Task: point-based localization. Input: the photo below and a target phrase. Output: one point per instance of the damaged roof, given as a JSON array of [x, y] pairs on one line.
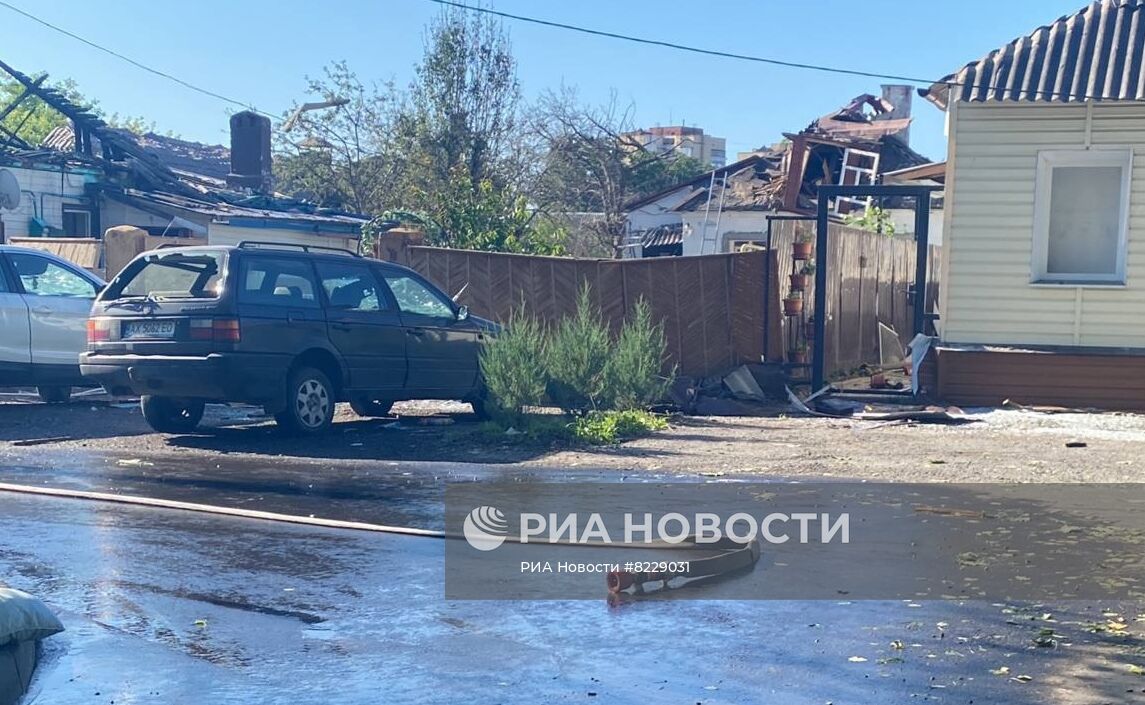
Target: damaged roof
[[159, 174], [212, 161], [1096, 53], [250, 208], [756, 185], [760, 182]]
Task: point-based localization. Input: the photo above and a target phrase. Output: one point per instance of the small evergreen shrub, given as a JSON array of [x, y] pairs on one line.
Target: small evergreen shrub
[[632, 378], [513, 366], [577, 355]]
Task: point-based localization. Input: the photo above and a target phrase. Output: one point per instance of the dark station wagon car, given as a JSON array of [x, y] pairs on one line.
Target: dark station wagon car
[[292, 328]]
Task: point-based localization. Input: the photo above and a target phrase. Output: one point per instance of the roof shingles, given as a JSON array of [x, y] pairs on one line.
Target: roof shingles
[[1096, 53]]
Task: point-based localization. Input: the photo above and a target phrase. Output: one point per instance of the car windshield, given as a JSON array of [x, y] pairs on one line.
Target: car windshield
[[174, 275]]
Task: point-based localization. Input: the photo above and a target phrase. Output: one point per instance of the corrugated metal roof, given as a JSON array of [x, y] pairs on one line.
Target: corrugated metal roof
[[1096, 53], [663, 235]]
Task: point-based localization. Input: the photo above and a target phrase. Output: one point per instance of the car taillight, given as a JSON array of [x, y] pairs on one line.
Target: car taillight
[[98, 330], [227, 329], [223, 330]]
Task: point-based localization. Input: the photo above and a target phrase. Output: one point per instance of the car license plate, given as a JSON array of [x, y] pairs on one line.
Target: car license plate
[[149, 329]]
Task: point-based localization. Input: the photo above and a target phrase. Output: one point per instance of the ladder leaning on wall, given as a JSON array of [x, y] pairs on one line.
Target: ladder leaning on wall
[[709, 243]]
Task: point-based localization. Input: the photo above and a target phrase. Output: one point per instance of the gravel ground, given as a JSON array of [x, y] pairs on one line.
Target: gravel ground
[[1001, 445]]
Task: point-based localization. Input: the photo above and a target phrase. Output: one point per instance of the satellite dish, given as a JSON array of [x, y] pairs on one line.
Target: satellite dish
[[9, 191]]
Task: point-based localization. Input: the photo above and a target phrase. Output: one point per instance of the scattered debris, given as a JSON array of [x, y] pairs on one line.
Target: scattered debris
[[1076, 444], [1046, 409], [919, 346], [133, 462], [948, 512], [743, 385], [42, 441]]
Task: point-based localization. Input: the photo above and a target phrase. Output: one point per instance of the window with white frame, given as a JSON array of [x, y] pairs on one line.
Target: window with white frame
[[1081, 216]]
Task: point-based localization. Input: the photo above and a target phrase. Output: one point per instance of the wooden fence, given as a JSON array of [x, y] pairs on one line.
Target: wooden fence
[[711, 306], [869, 280]]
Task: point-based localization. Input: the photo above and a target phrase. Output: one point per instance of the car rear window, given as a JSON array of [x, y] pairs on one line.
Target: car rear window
[[182, 275]]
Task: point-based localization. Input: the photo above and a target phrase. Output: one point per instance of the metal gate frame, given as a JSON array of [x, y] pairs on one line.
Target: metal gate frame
[[827, 192]]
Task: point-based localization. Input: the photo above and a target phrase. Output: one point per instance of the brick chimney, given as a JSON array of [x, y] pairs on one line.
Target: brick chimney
[[250, 153], [900, 97]]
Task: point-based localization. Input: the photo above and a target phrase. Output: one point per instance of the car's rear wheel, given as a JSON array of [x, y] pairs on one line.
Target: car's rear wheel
[[54, 395], [171, 415], [309, 403], [370, 408]]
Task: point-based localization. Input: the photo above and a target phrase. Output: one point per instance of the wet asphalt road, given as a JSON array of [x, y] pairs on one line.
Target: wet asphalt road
[[172, 607]]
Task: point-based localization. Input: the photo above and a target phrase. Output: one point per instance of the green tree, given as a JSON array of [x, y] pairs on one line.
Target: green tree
[[591, 165], [33, 119], [463, 103], [480, 217], [349, 157]]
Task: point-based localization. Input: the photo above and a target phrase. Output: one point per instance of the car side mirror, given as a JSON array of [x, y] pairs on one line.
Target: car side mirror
[[462, 313]]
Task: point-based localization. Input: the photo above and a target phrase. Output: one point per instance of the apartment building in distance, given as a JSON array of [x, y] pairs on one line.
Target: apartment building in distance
[[688, 141]]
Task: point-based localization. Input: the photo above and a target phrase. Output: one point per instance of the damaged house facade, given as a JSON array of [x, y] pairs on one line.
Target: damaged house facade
[[86, 177], [723, 209], [1043, 293]]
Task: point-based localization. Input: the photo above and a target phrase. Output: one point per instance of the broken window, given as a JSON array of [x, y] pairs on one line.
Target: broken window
[[859, 168]]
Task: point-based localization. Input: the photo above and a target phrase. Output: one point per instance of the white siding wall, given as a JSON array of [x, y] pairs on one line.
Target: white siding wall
[[987, 294], [733, 225], [43, 194], [113, 213], [222, 234]]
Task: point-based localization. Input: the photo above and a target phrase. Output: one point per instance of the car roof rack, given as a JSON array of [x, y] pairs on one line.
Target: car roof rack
[[257, 244]]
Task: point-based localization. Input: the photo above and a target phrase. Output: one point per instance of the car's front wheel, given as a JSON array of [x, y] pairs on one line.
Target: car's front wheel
[[54, 395], [309, 403], [371, 408], [482, 406], [171, 415]]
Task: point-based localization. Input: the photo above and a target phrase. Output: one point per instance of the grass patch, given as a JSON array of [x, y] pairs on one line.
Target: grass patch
[[596, 428], [609, 427]]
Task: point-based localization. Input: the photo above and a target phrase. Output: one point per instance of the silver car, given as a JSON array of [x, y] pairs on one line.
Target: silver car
[[44, 306]]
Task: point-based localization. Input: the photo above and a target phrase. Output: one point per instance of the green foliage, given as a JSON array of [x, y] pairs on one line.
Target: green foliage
[[874, 219], [632, 378], [352, 157], [513, 366], [578, 365], [609, 427], [481, 217], [577, 357], [33, 119], [651, 173]]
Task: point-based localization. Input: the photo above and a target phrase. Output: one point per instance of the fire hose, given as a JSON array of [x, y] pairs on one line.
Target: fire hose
[[730, 556]]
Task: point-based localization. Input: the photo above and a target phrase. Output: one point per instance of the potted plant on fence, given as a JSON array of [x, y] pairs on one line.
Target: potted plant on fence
[[793, 304], [802, 278], [798, 354], [801, 248]]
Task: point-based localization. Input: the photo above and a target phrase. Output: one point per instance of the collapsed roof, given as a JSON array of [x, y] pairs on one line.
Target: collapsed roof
[[856, 142], [155, 173]]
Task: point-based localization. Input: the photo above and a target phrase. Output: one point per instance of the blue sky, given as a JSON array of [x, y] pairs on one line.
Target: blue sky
[[259, 51]]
